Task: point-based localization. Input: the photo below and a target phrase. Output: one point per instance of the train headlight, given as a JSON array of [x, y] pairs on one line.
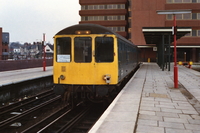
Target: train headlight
[[62, 77], [79, 32], [107, 78]]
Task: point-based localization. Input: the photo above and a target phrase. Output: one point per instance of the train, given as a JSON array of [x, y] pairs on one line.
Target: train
[[91, 62]]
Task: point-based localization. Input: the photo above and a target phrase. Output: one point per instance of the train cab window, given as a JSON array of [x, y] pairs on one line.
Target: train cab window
[[104, 49], [63, 49], [83, 49]]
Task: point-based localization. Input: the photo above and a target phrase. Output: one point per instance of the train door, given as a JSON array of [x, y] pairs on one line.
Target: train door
[[104, 57], [120, 70]]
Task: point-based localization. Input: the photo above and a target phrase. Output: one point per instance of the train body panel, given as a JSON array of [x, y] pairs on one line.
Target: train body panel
[[77, 70], [86, 74]]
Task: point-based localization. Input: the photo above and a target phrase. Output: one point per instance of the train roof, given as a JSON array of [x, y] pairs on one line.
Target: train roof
[[93, 28]]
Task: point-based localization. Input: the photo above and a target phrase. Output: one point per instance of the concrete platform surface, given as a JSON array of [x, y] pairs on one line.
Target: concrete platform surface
[[16, 76], [150, 104]]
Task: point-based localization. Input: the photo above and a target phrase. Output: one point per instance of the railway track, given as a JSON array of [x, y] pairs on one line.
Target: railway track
[[25, 113], [62, 118], [68, 120], [87, 121], [45, 113], [24, 102]]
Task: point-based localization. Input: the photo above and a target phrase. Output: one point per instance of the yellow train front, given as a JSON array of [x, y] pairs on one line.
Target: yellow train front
[[90, 61]]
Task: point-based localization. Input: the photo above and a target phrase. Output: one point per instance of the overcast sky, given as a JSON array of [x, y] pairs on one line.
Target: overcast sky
[[27, 20]]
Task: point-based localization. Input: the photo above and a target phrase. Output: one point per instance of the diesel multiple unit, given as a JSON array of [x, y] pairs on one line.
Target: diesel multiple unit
[[90, 61]]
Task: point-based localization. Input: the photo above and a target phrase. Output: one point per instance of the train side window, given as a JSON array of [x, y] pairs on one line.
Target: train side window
[[63, 49], [104, 49], [83, 49]]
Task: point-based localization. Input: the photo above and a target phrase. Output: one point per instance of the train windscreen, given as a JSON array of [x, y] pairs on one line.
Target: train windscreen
[[104, 49], [83, 49], [63, 49]]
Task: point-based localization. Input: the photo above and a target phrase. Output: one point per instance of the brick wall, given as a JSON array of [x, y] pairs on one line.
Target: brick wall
[[23, 64]]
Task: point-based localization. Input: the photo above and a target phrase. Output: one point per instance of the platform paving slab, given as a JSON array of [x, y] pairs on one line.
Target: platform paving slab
[[123, 111], [174, 113], [160, 108], [17, 76]]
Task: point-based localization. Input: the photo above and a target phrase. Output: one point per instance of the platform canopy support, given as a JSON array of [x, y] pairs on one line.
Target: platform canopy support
[[162, 38]]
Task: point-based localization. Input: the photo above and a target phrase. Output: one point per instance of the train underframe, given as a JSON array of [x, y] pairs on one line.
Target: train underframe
[[94, 93]]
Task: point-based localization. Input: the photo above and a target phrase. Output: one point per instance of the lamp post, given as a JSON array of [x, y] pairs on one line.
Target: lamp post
[[174, 12], [44, 53]]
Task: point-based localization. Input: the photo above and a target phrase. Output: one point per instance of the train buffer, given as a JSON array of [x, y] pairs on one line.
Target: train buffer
[[149, 103]]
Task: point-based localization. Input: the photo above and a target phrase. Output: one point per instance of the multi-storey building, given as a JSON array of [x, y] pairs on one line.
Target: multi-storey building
[[110, 13], [128, 17], [4, 42]]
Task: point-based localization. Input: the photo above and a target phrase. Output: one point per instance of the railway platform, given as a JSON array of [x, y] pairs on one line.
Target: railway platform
[[21, 75], [149, 103]]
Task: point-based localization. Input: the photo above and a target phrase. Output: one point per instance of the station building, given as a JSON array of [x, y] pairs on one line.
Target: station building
[[4, 42], [129, 17]]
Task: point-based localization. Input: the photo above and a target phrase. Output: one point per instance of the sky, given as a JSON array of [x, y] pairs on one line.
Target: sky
[[28, 20]]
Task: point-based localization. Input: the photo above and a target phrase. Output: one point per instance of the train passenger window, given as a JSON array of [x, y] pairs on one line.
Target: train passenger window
[[83, 49], [63, 49], [104, 49]]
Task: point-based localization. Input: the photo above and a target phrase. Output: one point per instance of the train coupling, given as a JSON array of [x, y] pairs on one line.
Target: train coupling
[[107, 78]]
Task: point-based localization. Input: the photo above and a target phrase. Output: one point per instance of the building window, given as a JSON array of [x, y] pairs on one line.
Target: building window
[[129, 22], [194, 16], [114, 17], [117, 29], [90, 18], [198, 32], [169, 1], [179, 16], [101, 7], [97, 7], [109, 17], [198, 16], [101, 18], [122, 28], [183, 1], [82, 18], [83, 7], [193, 33], [115, 7], [186, 16], [186, 1], [191, 16], [177, 1], [122, 17], [96, 18], [169, 16], [90, 7]]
